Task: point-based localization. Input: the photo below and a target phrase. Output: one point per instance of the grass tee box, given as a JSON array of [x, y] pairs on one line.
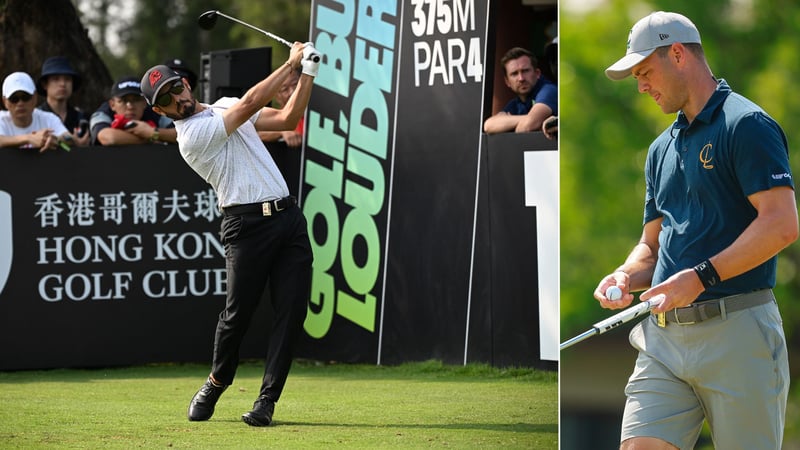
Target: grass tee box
[[355, 406]]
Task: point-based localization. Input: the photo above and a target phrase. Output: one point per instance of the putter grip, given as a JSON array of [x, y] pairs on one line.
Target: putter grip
[[624, 316]]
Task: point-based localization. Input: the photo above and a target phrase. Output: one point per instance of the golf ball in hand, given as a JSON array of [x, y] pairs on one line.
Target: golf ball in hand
[[613, 293]]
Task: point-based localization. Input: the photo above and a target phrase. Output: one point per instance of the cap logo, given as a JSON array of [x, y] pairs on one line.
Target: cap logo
[[663, 36], [128, 84], [154, 77]]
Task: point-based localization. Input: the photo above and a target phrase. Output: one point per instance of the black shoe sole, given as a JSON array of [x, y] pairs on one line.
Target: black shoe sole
[[198, 419], [253, 422]]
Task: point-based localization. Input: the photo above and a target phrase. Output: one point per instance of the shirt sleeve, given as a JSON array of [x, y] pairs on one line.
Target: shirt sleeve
[[510, 108], [100, 120], [52, 121], [760, 154], [650, 211], [548, 95], [165, 122], [200, 139]]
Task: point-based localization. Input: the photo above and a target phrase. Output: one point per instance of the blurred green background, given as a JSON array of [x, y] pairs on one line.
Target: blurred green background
[[606, 128], [133, 35]]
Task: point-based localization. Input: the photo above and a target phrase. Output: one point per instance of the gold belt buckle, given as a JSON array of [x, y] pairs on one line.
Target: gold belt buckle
[[266, 209], [661, 319]]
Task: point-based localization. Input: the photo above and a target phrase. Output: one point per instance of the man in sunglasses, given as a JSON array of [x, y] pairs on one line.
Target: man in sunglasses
[[263, 231], [22, 124], [126, 119]]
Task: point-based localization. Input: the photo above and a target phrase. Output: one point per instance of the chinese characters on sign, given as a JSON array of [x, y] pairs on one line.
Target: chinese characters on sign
[[81, 207], [111, 255]]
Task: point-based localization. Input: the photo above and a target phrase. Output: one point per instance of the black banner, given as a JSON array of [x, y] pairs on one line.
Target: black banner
[[390, 178], [110, 256], [439, 122]]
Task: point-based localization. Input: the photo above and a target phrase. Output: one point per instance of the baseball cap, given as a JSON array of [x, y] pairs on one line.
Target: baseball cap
[[154, 79], [125, 86], [58, 65], [659, 29], [18, 81]]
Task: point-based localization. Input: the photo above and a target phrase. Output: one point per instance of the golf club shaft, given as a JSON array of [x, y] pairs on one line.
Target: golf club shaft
[[612, 322], [581, 337], [273, 36]]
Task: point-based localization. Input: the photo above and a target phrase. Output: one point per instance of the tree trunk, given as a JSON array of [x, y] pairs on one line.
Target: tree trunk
[[33, 30]]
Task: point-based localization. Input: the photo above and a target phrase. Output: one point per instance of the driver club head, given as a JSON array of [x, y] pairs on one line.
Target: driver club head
[[207, 20]]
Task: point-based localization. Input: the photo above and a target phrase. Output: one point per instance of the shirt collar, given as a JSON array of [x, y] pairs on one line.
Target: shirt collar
[[712, 105]]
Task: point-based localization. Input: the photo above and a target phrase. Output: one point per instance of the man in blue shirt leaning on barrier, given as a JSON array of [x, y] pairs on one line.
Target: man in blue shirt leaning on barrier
[[536, 96]]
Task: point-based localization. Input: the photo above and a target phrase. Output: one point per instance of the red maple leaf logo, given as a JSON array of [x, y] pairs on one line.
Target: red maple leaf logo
[[154, 77]]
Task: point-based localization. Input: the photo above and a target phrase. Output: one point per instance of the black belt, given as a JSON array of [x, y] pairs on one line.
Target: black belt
[[267, 208], [699, 312]]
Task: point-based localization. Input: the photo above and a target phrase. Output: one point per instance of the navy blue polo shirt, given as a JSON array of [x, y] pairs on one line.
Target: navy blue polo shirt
[[544, 91], [698, 178]]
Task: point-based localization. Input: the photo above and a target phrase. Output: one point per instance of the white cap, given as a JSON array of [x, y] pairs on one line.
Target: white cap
[[18, 81], [659, 29]]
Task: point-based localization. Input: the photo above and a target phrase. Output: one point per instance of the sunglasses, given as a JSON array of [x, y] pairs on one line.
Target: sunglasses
[[165, 99], [14, 99]]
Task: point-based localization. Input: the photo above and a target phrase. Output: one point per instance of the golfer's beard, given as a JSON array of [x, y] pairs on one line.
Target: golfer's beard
[[187, 110]]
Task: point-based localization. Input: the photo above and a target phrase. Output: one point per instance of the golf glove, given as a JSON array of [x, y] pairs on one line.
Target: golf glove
[[311, 59]]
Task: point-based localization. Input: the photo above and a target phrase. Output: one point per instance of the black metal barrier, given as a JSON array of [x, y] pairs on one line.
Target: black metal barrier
[[110, 256]]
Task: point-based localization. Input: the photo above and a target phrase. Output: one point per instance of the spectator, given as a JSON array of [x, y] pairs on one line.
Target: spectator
[[127, 119], [537, 97], [183, 70], [292, 138], [57, 84], [25, 126]]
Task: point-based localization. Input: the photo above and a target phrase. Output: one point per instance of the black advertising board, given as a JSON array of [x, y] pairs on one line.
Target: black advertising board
[[391, 175], [111, 257]]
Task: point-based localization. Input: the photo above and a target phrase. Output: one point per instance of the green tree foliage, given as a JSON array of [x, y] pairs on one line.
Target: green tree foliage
[[154, 30], [288, 19], [606, 128], [33, 30]]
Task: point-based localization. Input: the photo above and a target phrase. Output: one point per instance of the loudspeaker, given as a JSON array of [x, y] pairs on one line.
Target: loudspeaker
[[230, 73]]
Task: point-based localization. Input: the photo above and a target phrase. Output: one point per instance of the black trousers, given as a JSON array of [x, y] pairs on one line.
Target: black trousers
[[261, 251]]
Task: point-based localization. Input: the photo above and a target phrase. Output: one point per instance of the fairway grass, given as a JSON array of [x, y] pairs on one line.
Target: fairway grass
[[414, 405]]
